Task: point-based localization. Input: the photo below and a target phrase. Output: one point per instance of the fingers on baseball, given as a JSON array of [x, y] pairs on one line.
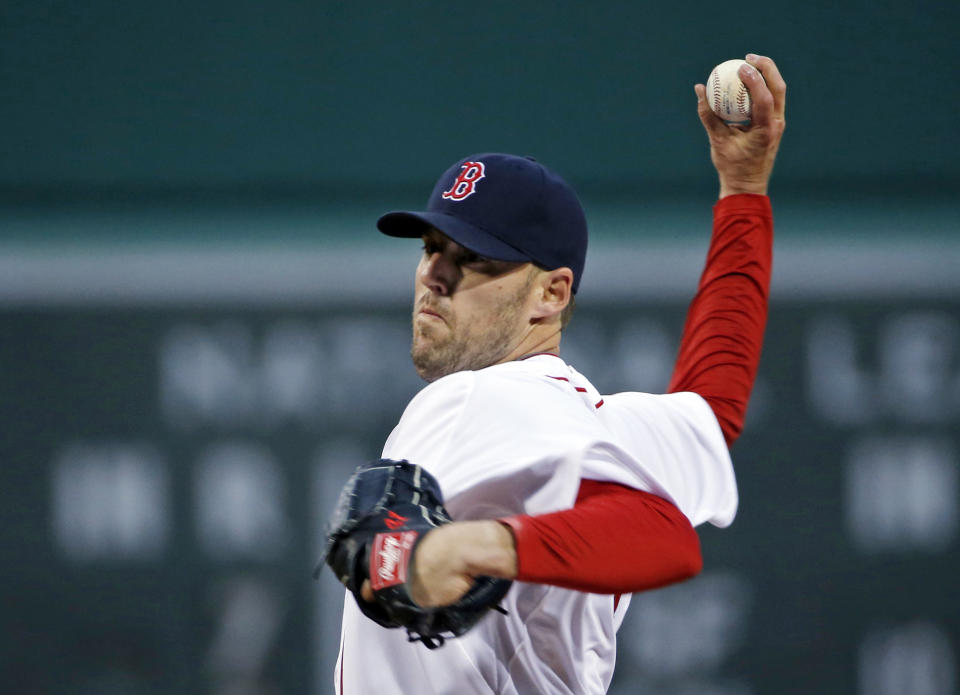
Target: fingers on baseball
[[774, 81], [760, 97]]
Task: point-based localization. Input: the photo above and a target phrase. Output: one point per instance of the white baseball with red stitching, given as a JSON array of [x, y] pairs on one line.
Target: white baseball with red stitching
[[729, 98]]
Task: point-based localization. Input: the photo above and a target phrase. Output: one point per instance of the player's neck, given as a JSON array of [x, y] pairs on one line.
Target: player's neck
[[538, 342]]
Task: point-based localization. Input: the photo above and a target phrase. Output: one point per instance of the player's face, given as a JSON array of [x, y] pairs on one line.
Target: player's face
[[469, 312]]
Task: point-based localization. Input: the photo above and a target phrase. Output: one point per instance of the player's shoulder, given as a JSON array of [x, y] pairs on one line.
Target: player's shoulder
[[655, 406], [544, 381]]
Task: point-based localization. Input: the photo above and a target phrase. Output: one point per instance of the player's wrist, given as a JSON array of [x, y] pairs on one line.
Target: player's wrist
[[727, 192], [730, 187], [492, 550]]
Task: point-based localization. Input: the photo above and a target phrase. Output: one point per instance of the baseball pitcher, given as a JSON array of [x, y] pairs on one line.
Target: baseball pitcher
[[494, 546]]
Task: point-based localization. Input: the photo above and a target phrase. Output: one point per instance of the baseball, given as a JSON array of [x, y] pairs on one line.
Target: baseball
[[729, 98]]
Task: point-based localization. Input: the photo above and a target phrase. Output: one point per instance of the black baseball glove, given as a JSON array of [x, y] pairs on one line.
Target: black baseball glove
[[384, 511]]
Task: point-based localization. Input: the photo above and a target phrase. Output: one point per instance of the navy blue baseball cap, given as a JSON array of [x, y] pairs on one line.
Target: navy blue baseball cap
[[503, 207]]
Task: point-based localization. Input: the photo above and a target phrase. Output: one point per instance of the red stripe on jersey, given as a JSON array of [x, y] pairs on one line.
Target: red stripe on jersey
[[579, 389]]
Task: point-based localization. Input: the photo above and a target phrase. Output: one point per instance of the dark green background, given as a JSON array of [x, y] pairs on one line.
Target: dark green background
[[326, 95]]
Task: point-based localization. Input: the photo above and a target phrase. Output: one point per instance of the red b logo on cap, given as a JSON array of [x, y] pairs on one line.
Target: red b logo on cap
[[466, 183]]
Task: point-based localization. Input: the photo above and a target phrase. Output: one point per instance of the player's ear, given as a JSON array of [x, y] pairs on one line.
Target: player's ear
[[555, 290]]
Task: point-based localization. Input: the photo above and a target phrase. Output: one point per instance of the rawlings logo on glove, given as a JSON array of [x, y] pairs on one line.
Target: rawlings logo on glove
[[390, 558], [404, 498]]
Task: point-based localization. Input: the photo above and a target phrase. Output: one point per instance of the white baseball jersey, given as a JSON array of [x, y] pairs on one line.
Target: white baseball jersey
[[517, 438]]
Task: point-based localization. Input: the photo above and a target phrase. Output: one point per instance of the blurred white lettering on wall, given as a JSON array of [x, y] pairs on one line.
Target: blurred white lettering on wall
[[906, 368], [250, 614], [240, 503], [689, 628], [920, 361], [915, 659], [902, 493], [110, 501], [227, 375], [206, 374]]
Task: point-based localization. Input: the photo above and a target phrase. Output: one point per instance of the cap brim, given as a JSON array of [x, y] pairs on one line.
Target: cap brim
[[414, 224]]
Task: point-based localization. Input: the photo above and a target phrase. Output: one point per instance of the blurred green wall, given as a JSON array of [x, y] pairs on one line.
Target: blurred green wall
[[316, 95]]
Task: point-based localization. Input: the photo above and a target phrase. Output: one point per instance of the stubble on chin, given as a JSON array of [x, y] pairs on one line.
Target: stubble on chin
[[441, 350], [467, 343], [430, 352], [438, 351]]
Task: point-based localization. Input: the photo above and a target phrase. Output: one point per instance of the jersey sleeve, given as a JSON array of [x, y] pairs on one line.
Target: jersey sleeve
[[669, 445], [723, 335]]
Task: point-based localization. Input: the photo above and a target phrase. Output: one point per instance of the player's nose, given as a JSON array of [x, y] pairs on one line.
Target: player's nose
[[436, 274]]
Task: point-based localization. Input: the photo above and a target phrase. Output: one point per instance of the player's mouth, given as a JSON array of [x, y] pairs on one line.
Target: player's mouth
[[430, 314]]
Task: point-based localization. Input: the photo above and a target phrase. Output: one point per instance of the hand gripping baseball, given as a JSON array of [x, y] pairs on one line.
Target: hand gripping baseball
[[384, 512], [744, 157]]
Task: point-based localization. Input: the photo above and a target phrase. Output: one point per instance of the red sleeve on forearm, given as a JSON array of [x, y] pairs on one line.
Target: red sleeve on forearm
[[615, 540], [723, 334]]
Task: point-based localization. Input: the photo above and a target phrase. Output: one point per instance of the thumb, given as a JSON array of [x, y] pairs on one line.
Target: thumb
[[366, 591], [713, 124]]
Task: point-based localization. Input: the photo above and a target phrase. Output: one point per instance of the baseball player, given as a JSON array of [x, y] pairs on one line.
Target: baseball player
[[580, 498]]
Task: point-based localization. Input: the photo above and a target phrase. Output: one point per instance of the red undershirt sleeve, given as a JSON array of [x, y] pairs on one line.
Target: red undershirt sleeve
[[617, 539], [720, 348]]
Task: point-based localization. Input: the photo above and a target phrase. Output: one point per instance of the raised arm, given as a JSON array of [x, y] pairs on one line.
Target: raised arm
[[723, 335], [721, 342]]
